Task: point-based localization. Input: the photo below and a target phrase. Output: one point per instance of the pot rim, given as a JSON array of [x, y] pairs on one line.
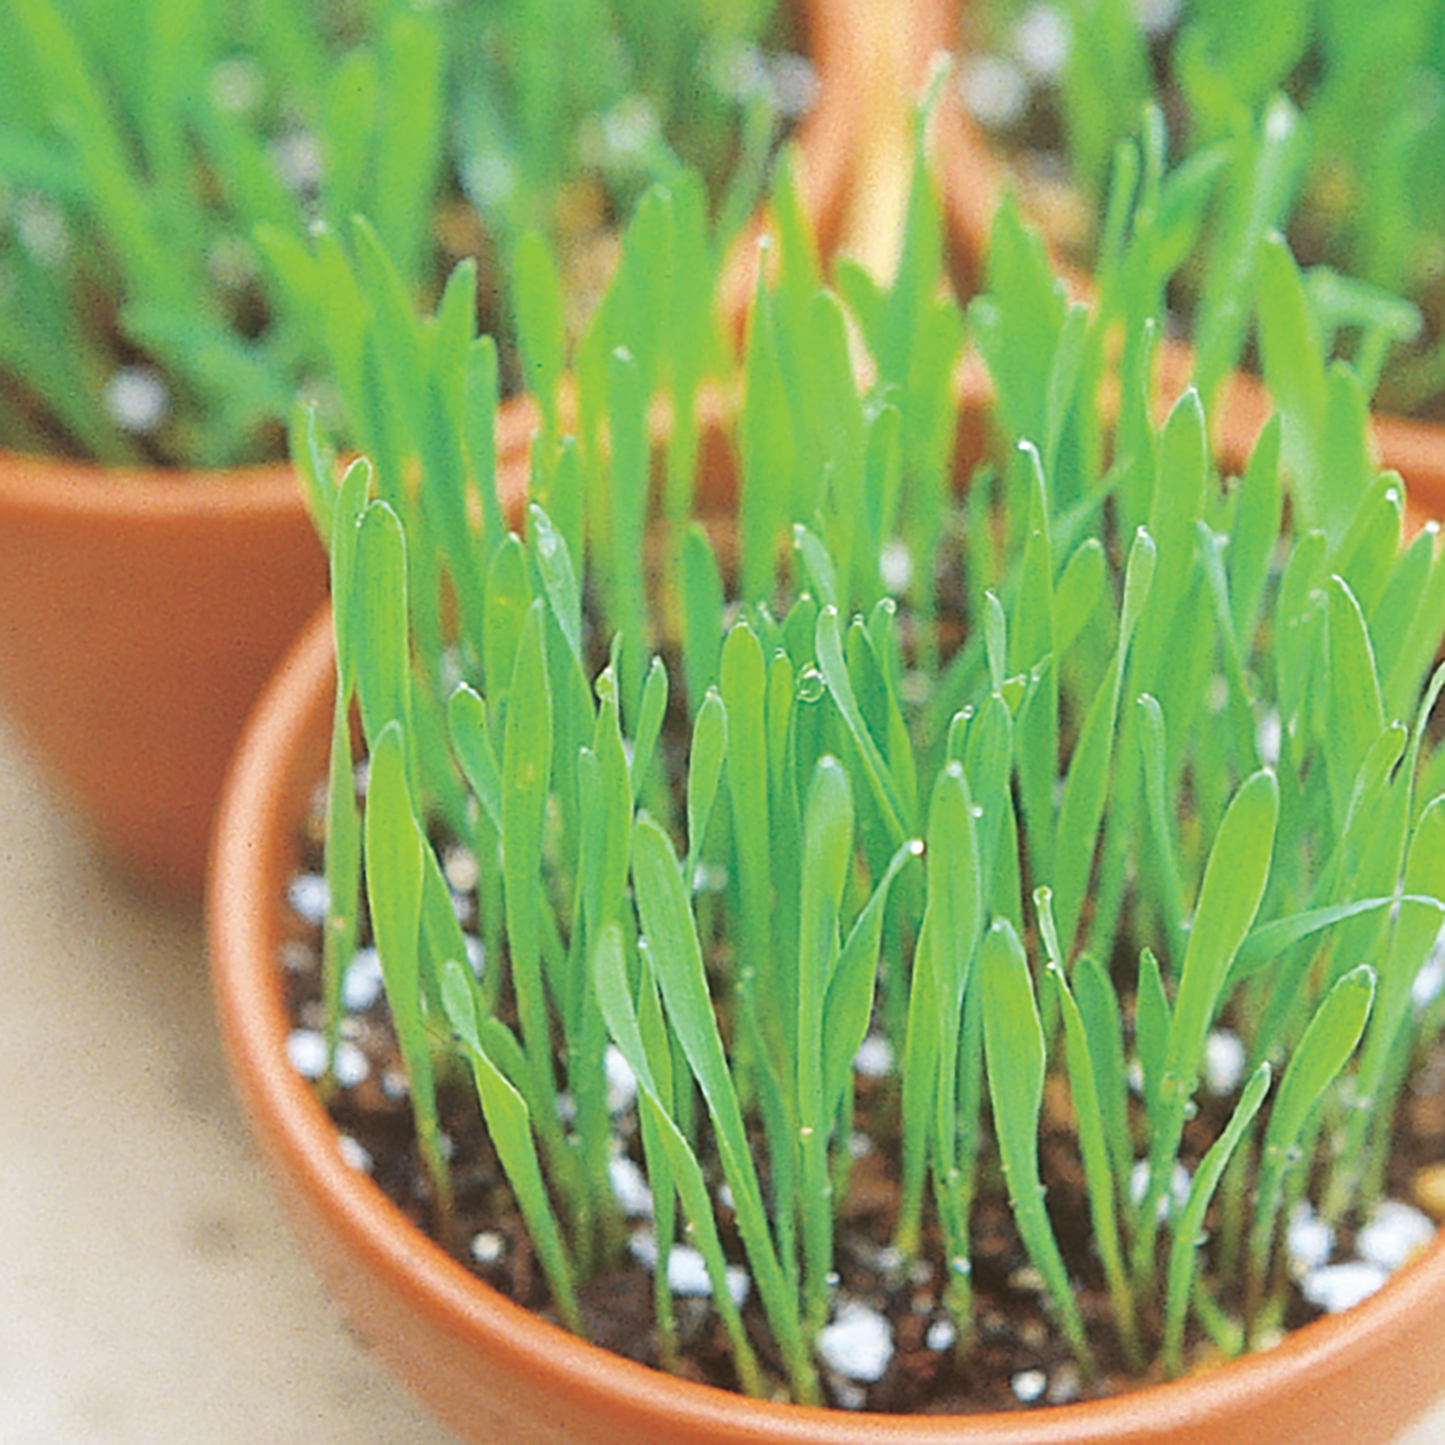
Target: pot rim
[[251, 857], [60, 484]]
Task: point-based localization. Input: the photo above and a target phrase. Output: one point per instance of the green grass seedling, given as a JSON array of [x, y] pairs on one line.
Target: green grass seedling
[[1094, 1147], [508, 1121], [827, 849], [1014, 1053], [1229, 898], [1327, 1044], [667, 923], [395, 870], [1187, 1228], [681, 1167]]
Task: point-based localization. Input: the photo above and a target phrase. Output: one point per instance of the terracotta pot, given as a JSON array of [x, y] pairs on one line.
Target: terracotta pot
[[142, 614], [849, 178], [493, 1372], [971, 178], [144, 610]]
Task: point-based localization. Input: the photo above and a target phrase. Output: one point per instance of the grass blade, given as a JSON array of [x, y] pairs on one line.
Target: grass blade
[[508, 1122], [1014, 1055], [668, 925], [609, 971], [1188, 1228], [1229, 898], [1099, 1176], [826, 854], [1319, 1056], [394, 870], [835, 674]]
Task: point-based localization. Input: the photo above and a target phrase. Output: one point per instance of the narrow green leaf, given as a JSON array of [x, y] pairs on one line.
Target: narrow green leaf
[[1419, 642], [1366, 556], [827, 853], [526, 774], [818, 567], [1401, 600], [700, 592], [1099, 1177], [835, 674], [508, 1123], [1104, 1025], [541, 324], [1079, 590], [668, 925], [347, 128], [1298, 618], [1260, 199], [346, 510], [609, 972], [509, 598], [480, 390], [1417, 928], [1031, 643], [1317, 1059], [744, 690], [1017, 326], [1256, 529], [379, 623], [1152, 1020], [1275, 937], [705, 761], [1354, 709], [608, 814], [1161, 820], [649, 724], [627, 403], [471, 739], [1081, 810], [849, 1004], [766, 440], [1190, 1223], [1014, 1055], [1233, 887], [394, 872], [559, 579], [409, 154], [1229, 898]]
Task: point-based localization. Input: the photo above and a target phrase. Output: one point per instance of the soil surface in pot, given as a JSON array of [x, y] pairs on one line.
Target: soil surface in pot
[[1015, 1358]]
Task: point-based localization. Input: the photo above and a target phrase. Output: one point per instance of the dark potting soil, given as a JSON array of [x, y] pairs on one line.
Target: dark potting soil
[[1013, 1357]]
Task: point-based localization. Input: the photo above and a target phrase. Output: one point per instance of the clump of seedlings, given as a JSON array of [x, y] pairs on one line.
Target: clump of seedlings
[[937, 894], [564, 116], [163, 167], [143, 146], [1285, 118]]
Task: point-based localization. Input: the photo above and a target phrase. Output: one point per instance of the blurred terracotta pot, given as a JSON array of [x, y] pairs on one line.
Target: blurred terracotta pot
[[140, 614], [851, 185], [143, 611], [493, 1372], [971, 178]]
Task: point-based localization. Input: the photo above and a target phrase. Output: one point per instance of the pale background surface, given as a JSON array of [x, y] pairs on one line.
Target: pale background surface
[[149, 1291]]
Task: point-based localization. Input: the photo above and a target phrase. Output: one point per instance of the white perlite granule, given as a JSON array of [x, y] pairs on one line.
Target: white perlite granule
[[858, 1344]]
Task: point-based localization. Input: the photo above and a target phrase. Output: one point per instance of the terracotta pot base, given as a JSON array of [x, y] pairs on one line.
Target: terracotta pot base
[[142, 613]]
